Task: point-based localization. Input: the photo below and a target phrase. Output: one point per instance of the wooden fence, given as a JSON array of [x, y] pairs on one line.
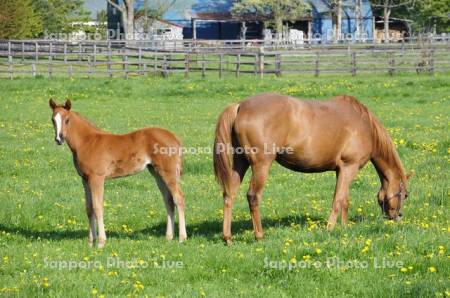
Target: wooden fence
[[53, 58]]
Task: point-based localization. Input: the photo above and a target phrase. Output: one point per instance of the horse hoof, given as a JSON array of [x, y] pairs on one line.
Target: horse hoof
[[330, 227], [228, 242], [169, 237], [182, 238], [101, 244], [91, 244]]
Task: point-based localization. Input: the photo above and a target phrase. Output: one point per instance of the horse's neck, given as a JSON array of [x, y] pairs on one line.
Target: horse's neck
[[387, 171], [80, 131]]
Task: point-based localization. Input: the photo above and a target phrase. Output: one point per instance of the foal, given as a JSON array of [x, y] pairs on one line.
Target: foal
[[99, 155]]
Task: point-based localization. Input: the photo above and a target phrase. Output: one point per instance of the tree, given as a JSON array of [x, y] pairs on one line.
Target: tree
[[19, 19], [275, 10], [388, 6], [60, 15], [432, 15], [126, 9]]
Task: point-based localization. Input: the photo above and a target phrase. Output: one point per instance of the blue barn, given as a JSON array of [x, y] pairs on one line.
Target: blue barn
[[212, 20]]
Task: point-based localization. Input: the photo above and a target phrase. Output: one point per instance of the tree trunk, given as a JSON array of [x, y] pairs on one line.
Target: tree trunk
[[358, 19], [387, 14], [339, 20], [279, 27]]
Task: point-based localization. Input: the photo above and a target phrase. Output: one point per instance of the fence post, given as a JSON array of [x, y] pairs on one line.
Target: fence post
[[10, 66], [140, 58], [125, 65], [203, 66], [278, 65], [50, 59], [65, 52], [261, 62], [109, 59], [89, 67], [221, 66], [80, 49], [238, 65], [391, 63], [186, 65], [164, 66], [353, 63], [36, 51], [431, 62], [95, 53], [23, 51], [33, 70], [317, 70]]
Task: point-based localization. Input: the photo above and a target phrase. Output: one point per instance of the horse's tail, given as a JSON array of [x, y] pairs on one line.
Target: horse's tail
[[222, 155]]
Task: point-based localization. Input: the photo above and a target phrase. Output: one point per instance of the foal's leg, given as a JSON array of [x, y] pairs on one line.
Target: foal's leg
[[96, 184], [171, 176], [260, 172], [240, 166], [90, 213], [168, 202], [345, 175]]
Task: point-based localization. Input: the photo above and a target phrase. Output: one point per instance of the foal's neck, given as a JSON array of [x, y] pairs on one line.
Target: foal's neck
[[79, 131]]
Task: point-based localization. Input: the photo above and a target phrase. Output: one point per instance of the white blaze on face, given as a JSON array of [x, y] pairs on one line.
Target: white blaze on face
[[58, 126]]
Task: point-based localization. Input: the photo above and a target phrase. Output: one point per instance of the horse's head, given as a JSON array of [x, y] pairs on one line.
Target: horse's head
[[60, 119], [391, 198]]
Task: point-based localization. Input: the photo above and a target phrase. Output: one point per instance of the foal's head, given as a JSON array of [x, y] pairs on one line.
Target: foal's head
[[391, 199], [60, 119]]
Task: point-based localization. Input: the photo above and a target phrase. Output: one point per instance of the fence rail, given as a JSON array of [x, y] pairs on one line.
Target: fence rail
[[22, 58]]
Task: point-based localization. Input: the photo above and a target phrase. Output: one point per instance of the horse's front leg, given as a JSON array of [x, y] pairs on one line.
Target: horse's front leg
[[96, 185], [345, 175], [90, 213]]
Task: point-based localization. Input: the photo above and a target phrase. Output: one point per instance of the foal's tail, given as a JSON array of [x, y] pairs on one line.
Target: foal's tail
[[222, 155]]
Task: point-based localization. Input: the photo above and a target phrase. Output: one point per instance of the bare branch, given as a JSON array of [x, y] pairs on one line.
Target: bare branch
[[121, 9]]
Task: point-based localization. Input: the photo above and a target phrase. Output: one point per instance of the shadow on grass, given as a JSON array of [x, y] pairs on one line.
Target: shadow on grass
[[206, 229]]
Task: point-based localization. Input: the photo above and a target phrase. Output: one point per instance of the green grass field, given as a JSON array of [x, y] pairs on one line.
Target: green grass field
[[43, 226]]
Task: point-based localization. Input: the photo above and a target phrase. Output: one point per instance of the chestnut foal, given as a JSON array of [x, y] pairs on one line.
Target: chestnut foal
[[99, 155], [339, 135]]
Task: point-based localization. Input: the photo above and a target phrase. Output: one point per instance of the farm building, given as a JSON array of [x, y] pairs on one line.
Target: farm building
[[211, 19]]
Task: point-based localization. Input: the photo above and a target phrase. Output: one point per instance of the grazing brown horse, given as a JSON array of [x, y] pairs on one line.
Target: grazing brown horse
[[339, 135], [99, 155]]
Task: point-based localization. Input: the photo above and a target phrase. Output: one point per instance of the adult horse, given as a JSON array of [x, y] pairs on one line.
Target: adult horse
[[339, 135], [99, 155]]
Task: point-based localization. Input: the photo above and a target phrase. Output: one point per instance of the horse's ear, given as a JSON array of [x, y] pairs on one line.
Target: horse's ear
[[68, 104], [52, 103], [410, 174]]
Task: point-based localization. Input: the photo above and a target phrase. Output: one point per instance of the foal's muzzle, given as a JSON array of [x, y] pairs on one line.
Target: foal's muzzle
[[59, 140]]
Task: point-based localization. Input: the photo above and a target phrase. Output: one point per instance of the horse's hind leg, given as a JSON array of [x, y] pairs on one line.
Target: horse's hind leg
[[171, 178], [240, 167], [168, 202], [96, 186], [345, 175], [260, 172]]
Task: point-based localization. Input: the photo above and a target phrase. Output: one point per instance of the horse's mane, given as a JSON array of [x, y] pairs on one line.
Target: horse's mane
[[383, 146]]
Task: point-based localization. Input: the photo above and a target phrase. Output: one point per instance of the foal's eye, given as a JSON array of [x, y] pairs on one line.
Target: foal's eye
[[67, 121]]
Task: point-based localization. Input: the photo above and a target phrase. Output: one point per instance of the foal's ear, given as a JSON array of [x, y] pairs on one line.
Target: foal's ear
[[52, 103], [68, 104]]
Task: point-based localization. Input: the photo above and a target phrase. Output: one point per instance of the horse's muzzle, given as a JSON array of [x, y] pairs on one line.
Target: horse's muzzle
[[59, 141]]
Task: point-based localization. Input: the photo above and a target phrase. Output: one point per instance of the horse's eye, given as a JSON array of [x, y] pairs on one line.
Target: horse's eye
[[67, 121]]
